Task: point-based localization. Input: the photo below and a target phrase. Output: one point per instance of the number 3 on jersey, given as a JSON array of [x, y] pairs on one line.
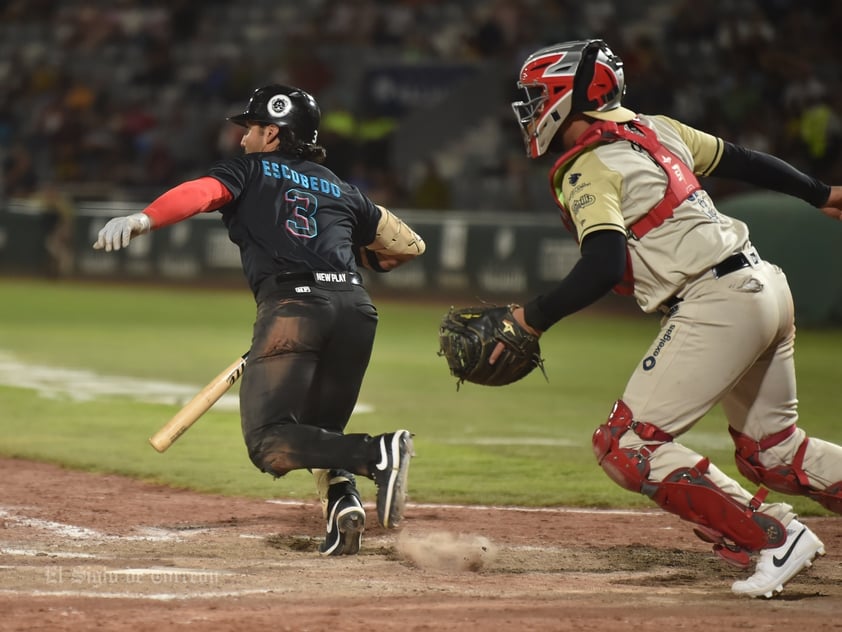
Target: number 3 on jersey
[[301, 209]]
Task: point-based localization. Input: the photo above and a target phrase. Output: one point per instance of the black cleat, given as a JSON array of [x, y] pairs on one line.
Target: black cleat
[[390, 475], [345, 526]]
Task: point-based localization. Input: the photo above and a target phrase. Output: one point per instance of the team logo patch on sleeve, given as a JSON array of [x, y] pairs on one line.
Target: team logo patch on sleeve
[[581, 202]]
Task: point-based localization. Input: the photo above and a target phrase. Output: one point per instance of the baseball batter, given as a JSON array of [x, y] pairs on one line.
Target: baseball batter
[[627, 187], [302, 232]]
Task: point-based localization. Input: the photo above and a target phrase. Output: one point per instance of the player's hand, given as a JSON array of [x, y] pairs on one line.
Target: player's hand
[[833, 207], [389, 262], [118, 232], [517, 313]]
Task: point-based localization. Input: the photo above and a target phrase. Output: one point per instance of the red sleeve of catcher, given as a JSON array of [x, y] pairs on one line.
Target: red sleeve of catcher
[[188, 199]]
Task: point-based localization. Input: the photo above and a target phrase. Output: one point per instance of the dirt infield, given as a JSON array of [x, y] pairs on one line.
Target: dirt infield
[[84, 552]]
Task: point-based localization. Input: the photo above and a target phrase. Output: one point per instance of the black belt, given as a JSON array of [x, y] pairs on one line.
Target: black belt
[[320, 277], [667, 305], [729, 265]]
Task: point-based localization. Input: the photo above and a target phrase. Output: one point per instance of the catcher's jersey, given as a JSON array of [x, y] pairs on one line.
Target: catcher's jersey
[[611, 186], [293, 215]]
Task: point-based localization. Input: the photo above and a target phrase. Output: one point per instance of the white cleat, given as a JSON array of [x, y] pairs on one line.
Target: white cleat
[[775, 567]]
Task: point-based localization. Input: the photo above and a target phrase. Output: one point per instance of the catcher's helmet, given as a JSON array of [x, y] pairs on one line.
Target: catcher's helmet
[[283, 106], [580, 76]]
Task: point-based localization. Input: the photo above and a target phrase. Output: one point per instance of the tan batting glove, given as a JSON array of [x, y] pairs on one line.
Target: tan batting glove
[[118, 232]]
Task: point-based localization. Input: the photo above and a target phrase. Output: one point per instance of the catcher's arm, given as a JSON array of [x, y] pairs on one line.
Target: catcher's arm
[[517, 313], [833, 206]]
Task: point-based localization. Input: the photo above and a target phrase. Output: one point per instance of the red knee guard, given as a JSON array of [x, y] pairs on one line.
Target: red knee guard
[[787, 479], [628, 468], [830, 498]]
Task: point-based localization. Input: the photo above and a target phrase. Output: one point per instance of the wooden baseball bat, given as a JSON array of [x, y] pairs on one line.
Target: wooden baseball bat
[[198, 406]]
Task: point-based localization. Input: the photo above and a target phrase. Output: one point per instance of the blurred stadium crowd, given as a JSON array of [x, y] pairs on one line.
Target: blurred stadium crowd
[[120, 99]]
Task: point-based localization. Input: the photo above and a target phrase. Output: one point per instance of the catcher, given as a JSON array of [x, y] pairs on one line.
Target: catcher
[[627, 187]]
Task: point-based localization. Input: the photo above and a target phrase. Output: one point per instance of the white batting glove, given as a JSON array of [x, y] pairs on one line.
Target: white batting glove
[[118, 232]]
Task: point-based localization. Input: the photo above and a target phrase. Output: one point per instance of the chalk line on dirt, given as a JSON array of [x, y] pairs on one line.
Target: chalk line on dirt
[[74, 532], [550, 510], [26, 552], [135, 595]]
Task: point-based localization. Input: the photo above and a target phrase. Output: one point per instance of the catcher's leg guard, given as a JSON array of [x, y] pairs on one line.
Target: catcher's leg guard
[[628, 468], [787, 479], [686, 492], [692, 496]]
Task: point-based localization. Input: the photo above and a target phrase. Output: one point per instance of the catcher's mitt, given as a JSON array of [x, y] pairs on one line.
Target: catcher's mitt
[[467, 336]]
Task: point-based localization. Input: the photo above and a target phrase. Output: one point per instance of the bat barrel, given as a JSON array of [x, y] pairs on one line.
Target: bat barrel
[[198, 406]]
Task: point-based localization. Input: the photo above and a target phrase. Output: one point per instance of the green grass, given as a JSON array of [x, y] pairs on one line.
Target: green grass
[[524, 444]]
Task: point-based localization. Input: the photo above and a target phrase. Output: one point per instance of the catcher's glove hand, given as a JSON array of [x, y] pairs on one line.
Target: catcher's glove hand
[[468, 336]]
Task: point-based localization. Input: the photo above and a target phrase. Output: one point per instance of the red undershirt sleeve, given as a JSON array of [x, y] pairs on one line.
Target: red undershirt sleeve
[[188, 199]]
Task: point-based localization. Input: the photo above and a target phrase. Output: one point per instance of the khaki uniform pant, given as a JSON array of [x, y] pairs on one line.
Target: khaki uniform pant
[[730, 341]]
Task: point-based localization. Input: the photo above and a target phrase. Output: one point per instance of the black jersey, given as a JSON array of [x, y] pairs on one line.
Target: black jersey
[[292, 215]]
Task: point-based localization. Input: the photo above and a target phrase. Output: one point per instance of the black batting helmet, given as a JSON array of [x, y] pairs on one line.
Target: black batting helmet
[[283, 106]]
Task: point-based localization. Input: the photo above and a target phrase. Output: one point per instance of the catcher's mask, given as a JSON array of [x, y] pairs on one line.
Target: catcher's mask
[[283, 106], [580, 76]]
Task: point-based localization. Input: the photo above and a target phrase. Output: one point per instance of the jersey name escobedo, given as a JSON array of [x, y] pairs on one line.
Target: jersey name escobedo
[[281, 171]]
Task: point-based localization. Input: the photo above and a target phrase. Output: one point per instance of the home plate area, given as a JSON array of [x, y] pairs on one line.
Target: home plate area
[[80, 551]]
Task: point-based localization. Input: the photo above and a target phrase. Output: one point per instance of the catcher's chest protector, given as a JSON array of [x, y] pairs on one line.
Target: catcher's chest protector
[[681, 181]]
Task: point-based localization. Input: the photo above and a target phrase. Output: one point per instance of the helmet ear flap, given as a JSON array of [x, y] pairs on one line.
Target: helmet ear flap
[[599, 84], [584, 76]]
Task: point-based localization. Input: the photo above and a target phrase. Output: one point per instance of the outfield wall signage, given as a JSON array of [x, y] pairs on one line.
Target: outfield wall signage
[[477, 256]]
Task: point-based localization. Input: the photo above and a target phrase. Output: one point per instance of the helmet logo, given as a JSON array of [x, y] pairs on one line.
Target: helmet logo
[[279, 106]]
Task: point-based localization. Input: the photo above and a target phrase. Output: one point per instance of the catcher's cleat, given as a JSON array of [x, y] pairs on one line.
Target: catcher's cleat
[[775, 567], [390, 475], [345, 526]]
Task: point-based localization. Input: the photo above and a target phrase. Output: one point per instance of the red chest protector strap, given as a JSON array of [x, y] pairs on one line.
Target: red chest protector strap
[[681, 180]]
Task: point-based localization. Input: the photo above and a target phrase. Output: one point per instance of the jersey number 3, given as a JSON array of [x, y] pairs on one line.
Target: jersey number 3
[[301, 209]]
